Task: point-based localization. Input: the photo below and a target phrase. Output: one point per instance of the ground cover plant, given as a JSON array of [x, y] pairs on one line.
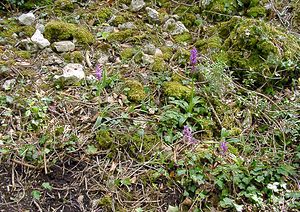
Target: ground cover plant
[[154, 105]]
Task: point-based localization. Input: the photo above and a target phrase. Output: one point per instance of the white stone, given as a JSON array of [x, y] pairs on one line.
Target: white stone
[[149, 49], [8, 84], [152, 13], [64, 46], [175, 27], [137, 5], [39, 39], [27, 19], [40, 27], [73, 71], [147, 59], [127, 25], [158, 53]]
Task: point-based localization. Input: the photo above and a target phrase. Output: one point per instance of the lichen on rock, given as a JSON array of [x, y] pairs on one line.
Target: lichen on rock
[[59, 30]]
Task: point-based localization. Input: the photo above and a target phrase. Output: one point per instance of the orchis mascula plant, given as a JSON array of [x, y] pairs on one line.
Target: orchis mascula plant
[[187, 135], [223, 147], [193, 59]]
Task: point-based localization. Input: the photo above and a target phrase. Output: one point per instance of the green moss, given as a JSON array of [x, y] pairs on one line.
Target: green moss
[[188, 19], [219, 7], [66, 5], [258, 53], [127, 53], [120, 36], [105, 202], [137, 146], [120, 19], [103, 14], [211, 43], [104, 139], [159, 65], [9, 27], [74, 57], [176, 89], [185, 37], [58, 30], [255, 12], [135, 90], [167, 52], [23, 54]]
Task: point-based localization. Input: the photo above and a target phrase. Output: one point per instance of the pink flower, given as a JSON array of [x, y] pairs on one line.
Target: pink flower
[[99, 72], [187, 134]]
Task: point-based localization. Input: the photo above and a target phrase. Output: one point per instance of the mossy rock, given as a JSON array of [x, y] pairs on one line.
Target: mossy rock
[[127, 53], [59, 30], [185, 37], [120, 36], [167, 52], [159, 65], [66, 5], [135, 90], [262, 53], [257, 53], [74, 57], [176, 89]]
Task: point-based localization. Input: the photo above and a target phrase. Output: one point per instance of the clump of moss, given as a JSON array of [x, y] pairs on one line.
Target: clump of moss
[[159, 65], [257, 51], [66, 5], [127, 53], [255, 12], [23, 54], [59, 30], [120, 36], [104, 139], [104, 14], [176, 89], [137, 146], [167, 52], [11, 27], [135, 90], [120, 19], [185, 37], [74, 57], [105, 202]]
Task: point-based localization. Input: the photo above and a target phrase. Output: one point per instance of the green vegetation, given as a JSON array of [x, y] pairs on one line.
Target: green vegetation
[[209, 124]]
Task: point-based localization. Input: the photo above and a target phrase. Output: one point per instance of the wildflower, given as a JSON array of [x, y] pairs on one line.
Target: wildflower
[[187, 134], [193, 58], [223, 147], [99, 72]]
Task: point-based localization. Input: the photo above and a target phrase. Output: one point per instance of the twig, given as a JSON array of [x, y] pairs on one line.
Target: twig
[[38, 206], [23, 164]]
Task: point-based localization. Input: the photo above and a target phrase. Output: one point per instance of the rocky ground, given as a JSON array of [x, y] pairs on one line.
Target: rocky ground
[[149, 105]]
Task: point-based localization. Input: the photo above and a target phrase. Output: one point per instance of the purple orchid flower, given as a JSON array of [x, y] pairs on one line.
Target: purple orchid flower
[[99, 72], [193, 58], [187, 134], [223, 147]]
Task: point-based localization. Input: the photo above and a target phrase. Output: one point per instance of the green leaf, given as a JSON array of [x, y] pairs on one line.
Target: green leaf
[[47, 186], [36, 194], [91, 149]]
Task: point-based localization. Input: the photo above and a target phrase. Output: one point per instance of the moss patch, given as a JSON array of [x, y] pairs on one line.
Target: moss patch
[[176, 89], [23, 54], [185, 37], [120, 36], [127, 53], [59, 30], [135, 90], [159, 65], [258, 53], [74, 57], [137, 146], [66, 5]]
